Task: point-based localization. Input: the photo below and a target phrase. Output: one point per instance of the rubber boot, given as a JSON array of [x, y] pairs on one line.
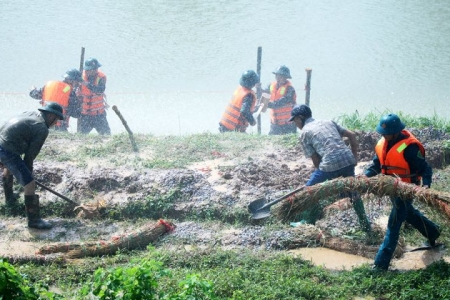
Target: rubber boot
[[33, 213], [10, 199], [364, 222]]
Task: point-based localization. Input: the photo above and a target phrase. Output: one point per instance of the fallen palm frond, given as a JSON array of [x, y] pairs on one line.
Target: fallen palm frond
[[35, 259], [91, 211], [58, 248], [378, 185], [134, 240]]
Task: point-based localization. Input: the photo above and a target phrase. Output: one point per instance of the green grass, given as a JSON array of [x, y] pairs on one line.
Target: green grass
[[355, 121], [162, 152], [217, 274]]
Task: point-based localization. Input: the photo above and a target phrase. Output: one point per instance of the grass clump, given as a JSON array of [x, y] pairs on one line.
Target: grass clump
[[152, 207], [354, 121]]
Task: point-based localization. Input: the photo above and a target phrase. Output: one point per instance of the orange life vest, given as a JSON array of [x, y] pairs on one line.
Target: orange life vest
[[93, 103], [231, 118], [393, 162], [59, 92], [280, 115]]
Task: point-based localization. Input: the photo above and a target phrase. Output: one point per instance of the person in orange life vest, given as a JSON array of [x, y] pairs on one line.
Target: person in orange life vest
[[398, 153], [61, 92], [238, 114], [93, 108], [282, 100]]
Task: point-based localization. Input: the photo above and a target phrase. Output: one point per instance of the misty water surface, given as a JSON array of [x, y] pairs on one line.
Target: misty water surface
[[172, 66]]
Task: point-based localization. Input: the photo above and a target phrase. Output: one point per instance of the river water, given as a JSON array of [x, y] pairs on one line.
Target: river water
[[172, 66]]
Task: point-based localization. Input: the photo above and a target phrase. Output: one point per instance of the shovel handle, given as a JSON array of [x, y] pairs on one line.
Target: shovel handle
[[282, 198], [55, 192]]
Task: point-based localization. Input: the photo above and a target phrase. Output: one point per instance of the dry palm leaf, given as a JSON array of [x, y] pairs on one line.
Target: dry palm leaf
[[378, 185], [137, 239], [90, 211]]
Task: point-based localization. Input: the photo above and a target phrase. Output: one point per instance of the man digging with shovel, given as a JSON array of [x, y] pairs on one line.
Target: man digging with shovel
[[321, 140], [24, 135]]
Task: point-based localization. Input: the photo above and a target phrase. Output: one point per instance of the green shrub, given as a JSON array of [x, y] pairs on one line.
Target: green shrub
[[193, 287], [14, 286], [135, 282]]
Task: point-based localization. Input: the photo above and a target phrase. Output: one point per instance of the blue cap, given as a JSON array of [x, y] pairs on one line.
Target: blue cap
[[300, 110]]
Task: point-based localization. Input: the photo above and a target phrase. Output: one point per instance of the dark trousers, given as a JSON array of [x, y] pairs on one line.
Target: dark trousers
[[282, 129], [99, 122], [403, 210]]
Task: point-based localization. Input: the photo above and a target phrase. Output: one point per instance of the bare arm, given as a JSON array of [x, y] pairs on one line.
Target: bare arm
[[353, 143]]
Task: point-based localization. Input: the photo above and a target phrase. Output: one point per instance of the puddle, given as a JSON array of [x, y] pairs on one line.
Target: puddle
[[18, 248], [419, 259], [335, 260], [330, 259]]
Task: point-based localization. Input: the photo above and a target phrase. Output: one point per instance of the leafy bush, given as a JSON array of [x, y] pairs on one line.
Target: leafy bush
[[193, 287], [135, 282], [141, 281], [14, 286]]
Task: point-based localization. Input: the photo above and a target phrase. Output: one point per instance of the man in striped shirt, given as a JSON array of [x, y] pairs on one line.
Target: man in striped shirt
[[322, 141]]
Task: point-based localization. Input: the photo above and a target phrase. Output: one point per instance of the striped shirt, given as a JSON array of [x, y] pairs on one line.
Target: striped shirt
[[325, 139]]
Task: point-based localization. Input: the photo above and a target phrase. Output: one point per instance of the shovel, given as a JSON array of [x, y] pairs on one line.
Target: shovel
[[260, 208], [56, 193]]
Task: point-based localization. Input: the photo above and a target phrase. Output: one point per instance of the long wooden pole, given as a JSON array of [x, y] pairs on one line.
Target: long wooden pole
[[308, 85], [130, 133], [82, 60], [258, 90]]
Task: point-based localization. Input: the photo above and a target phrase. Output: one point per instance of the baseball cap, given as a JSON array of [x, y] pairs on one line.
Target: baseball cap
[[300, 110]]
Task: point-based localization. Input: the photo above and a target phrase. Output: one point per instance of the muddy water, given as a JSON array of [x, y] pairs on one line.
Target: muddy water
[[18, 248], [419, 259], [330, 259], [189, 54], [334, 260]]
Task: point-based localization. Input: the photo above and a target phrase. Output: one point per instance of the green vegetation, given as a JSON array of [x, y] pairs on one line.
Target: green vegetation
[[162, 152], [370, 121], [217, 274], [181, 151]]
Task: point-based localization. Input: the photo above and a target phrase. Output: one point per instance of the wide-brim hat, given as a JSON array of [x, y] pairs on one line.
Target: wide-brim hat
[[283, 71], [54, 108], [91, 64]]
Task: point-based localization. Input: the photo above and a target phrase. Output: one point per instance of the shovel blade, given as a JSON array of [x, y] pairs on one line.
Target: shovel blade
[[256, 205], [261, 214], [257, 209]]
